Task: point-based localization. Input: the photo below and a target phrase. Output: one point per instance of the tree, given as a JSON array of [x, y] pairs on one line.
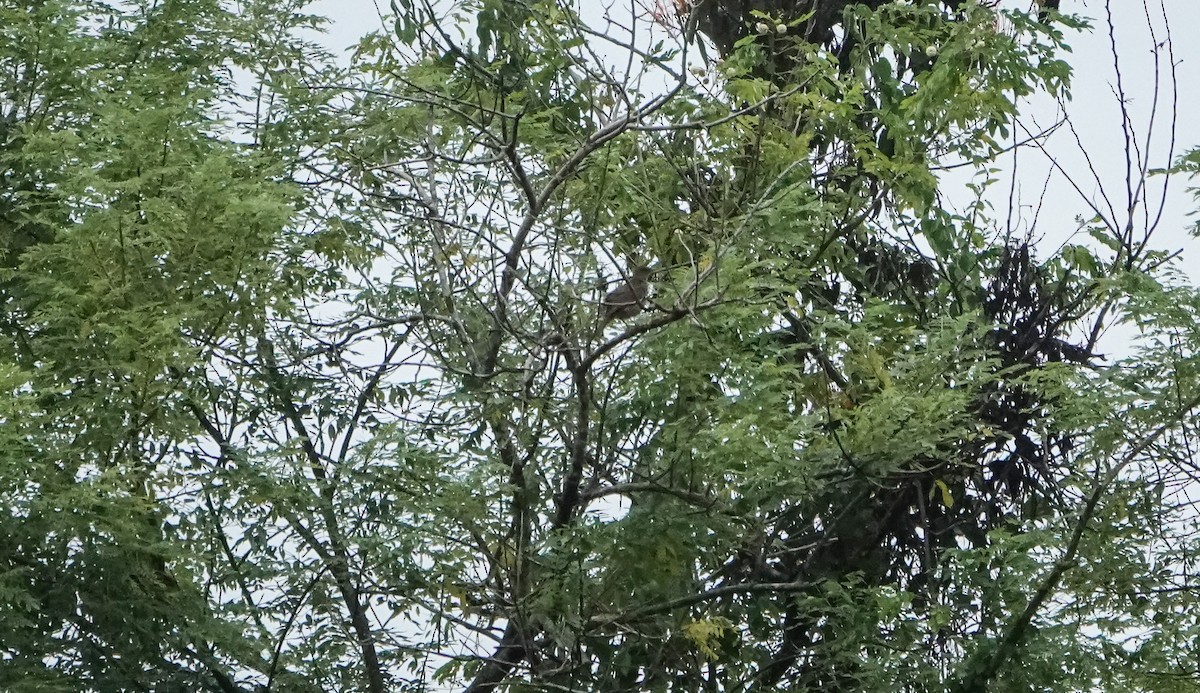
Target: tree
[[312, 389], [137, 238]]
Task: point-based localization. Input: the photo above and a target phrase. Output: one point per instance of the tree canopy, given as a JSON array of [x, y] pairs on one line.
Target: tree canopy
[[543, 346]]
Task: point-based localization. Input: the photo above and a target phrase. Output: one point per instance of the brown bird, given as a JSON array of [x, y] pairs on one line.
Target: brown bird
[[626, 300]]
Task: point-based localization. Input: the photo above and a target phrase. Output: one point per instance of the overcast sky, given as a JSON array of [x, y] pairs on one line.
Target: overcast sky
[[1096, 116]]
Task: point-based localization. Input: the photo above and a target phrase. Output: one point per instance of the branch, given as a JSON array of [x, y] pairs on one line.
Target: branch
[[978, 681], [339, 562], [497, 667], [698, 499], [700, 597], [569, 500]]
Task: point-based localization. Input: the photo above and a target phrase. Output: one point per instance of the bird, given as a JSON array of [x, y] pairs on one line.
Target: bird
[[626, 300], [1044, 7]]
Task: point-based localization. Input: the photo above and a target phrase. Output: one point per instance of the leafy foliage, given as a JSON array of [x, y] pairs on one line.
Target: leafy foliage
[[306, 386]]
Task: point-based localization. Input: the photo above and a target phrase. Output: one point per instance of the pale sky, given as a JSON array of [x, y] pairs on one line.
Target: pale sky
[[1096, 115]]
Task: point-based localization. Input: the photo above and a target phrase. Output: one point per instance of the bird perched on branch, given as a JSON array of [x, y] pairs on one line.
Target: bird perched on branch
[[1044, 7], [626, 300]]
